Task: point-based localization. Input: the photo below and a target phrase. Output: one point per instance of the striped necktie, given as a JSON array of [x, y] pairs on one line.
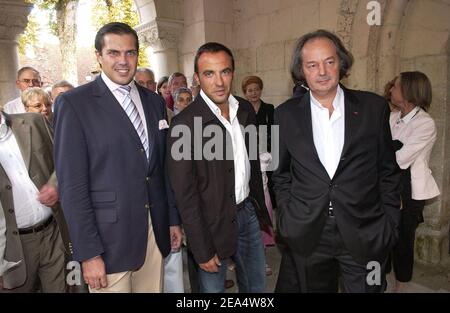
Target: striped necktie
[[133, 114]]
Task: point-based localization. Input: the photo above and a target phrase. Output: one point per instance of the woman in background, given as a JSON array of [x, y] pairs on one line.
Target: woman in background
[[252, 87], [414, 134], [37, 100]]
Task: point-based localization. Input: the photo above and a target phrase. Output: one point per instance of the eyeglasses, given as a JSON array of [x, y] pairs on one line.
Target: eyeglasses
[[33, 81]]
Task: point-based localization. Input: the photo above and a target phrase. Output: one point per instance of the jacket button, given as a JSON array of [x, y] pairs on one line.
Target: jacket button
[[147, 206], [15, 232], [8, 187], [147, 178], [11, 211]]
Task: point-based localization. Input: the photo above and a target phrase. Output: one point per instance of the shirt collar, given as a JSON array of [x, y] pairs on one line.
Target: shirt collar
[[232, 102], [408, 117], [336, 101], [112, 85]]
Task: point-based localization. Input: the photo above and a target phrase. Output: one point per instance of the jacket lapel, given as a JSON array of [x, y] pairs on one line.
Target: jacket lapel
[[352, 123], [22, 133]]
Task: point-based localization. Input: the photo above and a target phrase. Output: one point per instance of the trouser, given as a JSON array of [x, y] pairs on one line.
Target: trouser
[[148, 278], [320, 271], [249, 258], [45, 261], [410, 218]]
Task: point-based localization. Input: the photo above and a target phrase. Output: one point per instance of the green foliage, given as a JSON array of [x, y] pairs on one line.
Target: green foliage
[[51, 6], [124, 11], [29, 36]]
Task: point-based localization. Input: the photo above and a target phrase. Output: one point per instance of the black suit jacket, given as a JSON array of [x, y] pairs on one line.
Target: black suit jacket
[[107, 185], [364, 190], [204, 189]]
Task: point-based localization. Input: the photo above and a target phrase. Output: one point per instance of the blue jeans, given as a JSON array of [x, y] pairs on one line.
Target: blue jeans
[[250, 259]]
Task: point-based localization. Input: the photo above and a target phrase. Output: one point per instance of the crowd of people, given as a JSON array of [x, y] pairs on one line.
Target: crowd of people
[[115, 174]]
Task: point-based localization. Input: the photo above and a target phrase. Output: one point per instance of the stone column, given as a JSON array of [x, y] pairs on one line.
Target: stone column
[[163, 36], [13, 20]]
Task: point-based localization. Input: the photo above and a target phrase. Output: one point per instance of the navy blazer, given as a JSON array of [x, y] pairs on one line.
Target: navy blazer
[[106, 184]]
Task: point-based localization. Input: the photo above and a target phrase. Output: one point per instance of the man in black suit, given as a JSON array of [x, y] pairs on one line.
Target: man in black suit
[[220, 196], [110, 141], [337, 180]]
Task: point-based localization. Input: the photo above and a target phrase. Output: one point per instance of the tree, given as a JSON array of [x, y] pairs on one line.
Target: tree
[[62, 22], [29, 36], [124, 11]]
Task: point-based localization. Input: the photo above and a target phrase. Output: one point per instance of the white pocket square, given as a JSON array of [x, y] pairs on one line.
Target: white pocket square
[[163, 124]]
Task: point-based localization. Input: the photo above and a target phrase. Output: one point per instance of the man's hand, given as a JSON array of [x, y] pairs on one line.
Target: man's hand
[[48, 195], [94, 273], [175, 237], [212, 265]]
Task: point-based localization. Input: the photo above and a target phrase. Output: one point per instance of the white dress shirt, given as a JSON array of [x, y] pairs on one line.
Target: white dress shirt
[[134, 93], [240, 156], [28, 210], [328, 132], [417, 132], [14, 106]]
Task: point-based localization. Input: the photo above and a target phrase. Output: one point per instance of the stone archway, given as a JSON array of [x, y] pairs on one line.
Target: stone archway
[[161, 28], [13, 20]]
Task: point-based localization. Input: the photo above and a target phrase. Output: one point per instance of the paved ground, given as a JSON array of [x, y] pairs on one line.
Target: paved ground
[[425, 280]]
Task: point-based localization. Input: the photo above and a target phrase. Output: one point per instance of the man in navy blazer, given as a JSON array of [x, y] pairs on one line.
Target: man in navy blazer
[[110, 139]]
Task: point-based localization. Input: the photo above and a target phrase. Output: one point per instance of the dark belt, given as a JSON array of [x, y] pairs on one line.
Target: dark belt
[[37, 228], [241, 205]]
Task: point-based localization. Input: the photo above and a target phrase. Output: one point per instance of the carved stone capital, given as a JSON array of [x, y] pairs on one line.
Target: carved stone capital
[[160, 34], [13, 18]]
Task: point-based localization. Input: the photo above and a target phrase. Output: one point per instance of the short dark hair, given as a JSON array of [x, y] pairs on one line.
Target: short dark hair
[[212, 47], [114, 28], [174, 75], [345, 57], [161, 82], [416, 88]]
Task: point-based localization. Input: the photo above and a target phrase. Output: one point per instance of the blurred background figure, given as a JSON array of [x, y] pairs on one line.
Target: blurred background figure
[[27, 77], [146, 78], [252, 87], [387, 93], [176, 80], [162, 89], [37, 100], [182, 98], [414, 134], [59, 88], [195, 87]]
